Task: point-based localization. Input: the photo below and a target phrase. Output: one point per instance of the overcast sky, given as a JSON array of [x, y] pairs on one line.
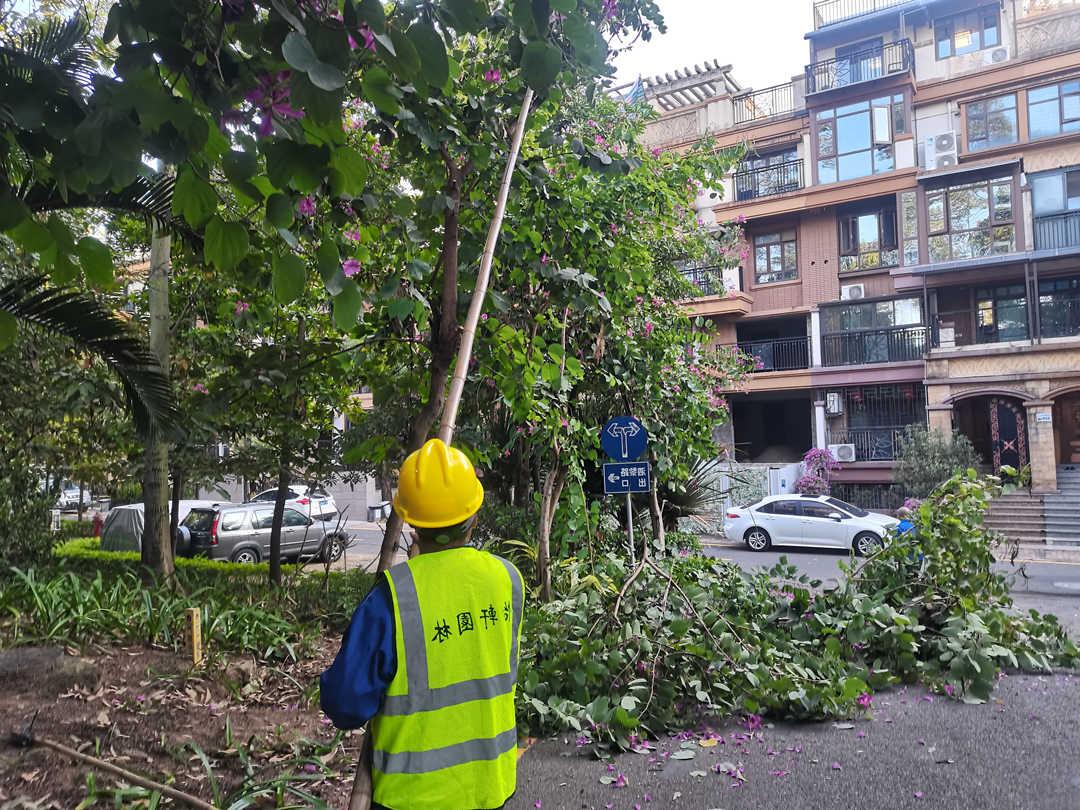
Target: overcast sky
[[761, 39]]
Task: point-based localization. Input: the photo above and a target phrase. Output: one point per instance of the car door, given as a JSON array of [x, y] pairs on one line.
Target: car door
[[820, 526], [297, 535], [261, 522], [781, 521]]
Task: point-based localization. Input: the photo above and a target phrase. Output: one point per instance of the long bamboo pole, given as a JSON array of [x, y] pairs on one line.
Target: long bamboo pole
[[361, 796]]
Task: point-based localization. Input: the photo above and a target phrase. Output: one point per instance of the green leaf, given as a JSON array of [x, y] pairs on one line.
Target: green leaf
[[541, 63], [380, 91], [328, 260], [347, 304], [326, 77], [289, 276], [298, 52], [371, 12], [226, 243], [96, 260], [353, 169], [193, 198], [12, 210], [434, 65], [404, 58], [239, 166], [32, 236], [564, 6], [400, 308], [469, 16], [9, 329], [279, 211]]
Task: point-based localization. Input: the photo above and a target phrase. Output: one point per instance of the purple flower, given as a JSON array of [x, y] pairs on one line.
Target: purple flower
[[752, 723], [309, 767], [656, 151], [620, 781], [918, 794], [353, 235], [649, 326], [242, 307], [199, 388], [836, 766], [949, 690], [493, 76], [544, 258], [369, 37], [864, 700], [306, 206], [610, 9], [350, 267], [271, 97]]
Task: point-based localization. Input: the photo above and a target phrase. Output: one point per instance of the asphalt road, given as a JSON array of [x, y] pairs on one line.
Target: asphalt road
[[915, 751]]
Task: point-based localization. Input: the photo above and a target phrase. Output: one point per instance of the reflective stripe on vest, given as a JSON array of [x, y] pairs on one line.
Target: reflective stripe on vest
[[421, 697], [439, 758]]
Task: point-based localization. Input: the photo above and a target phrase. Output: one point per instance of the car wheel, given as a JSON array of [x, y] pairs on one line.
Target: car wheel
[[867, 543], [757, 539], [333, 547], [245, 556]]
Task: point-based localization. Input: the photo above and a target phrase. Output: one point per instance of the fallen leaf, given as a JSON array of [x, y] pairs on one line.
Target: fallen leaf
[[607, 780], [29, 776], [707, 743], [683, 754], [843, 726], [697, 773]]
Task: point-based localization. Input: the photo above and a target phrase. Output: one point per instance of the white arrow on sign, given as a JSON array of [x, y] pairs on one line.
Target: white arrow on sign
[[613, 478], [622, 433]]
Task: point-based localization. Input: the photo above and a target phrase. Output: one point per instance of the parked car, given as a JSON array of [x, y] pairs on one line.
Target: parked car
[[123, 527], [808, 520], [315, 503], [241, 534], [68, 500]]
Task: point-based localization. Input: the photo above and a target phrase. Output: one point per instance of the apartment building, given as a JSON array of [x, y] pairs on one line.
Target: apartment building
[[912, 216]]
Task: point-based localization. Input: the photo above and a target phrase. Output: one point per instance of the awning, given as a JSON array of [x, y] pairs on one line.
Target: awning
[[968, 168]]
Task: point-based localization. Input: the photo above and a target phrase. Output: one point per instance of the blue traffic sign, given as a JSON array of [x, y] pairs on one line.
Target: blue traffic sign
[[624, 438], [621, 478]]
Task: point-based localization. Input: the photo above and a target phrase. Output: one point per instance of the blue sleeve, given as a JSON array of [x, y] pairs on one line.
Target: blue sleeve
[[352, 690]]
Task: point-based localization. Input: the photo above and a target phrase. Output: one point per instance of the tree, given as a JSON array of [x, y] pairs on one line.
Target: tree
[[926, 458]]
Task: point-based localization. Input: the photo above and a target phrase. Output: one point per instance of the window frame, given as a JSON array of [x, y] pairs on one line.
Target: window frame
[[1062, 175], [882, 112], [944, 193], [880, 213], [849, 329], [242, 515], [949, 24], [985, 117], [1062, 119], [787, 275]]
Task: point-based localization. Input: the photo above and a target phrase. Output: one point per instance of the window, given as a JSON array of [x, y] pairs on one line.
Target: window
[[1056, 193], [856, 140], [847, 507], [814, 509], [764, 175], [909, 226], [264, 518], [1059, 307], [789, 508], [293, 518], [868, 240], [991, 122], [1054, 110], [233, 521], [1001, 313], [971, 221], [871, 315], [199, 520], [775, 257], [967, 33]]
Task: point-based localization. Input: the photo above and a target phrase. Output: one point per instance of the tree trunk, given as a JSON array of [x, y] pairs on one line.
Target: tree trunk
[[157, 553], [79, 509], [549, 501], [174, 512], [284, 478], [658, 533]]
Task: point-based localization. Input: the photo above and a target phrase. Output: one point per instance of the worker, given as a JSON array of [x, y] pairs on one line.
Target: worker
[[431, 654], [906, 524]]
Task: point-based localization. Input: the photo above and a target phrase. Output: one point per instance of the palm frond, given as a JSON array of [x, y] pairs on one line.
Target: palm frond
[[57, 46], [82, 318]]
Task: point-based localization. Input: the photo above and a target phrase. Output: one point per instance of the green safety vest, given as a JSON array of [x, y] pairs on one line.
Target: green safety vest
[[445, 737]]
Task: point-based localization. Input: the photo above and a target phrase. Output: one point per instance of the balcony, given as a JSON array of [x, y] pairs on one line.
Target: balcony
[[777, 354], [1058, 231], [863, 66], [708, 280], [764, 104], [896, 345], [767, 181], [829, 12], [871, 444]]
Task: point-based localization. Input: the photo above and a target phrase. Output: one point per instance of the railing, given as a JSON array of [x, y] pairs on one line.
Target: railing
[[827, 12], [1059, 316], [778, 354], [762, 104], [876, 497], [765, 181], [708, 280], [1036, 8], [862, 66], [961, 328], [1057, 231], [874, 346], [871, 444]]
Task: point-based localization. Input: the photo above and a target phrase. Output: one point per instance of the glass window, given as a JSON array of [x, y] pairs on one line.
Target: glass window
[[1054, 110], [775, 257], [815, 509], [199, 520], [263, 518], [1059, 307], [910, 227], [971, 221], [899, 114], [935, 211], [871, 315], [1001, 313], [856, 140], [293, 518], [1056, 193], [868, 240], [991, 122], [785, 507], [233, 521], [968, 32]]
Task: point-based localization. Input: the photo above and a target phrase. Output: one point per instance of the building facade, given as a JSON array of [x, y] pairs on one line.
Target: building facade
[[912, 219]]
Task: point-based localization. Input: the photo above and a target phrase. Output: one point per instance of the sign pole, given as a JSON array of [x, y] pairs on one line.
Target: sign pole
[[630, 527]]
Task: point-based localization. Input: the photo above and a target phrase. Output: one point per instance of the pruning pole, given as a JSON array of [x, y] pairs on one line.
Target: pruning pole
[[361, 797], [630, 528], [461, 369]]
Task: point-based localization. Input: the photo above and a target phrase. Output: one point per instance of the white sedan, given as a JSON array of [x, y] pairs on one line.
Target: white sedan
[[316, 504], [808, 520]]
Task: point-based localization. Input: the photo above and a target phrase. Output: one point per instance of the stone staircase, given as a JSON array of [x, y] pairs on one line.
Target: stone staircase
[[1018, 516], [1062, 510]]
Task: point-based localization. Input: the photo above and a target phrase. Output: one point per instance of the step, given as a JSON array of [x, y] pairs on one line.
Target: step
[[1016, 509], [1063, 541]]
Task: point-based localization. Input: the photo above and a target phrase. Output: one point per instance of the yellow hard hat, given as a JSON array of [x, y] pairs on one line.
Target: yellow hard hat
[[437, 487]]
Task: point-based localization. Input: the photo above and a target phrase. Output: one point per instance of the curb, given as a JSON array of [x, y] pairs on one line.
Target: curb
[[1038, 552]]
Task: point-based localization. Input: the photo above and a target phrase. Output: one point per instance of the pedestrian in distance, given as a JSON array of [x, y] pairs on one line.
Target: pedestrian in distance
[[431, 654]]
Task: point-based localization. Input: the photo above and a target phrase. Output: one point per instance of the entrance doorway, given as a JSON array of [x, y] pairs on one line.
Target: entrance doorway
[[997, 428], [1067, 428]]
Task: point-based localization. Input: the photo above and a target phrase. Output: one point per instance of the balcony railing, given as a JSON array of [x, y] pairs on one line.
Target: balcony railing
[[862, 66], [960, 328], [1057, 231], [871, 444], [765, 181], [708, 280], [1037, 8], [827, 12], [778, 354], [767, 103], [874, 346]]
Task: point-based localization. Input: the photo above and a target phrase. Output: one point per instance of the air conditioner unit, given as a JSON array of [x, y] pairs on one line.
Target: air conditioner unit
[[852, 292], [843, 452], [707, 199], [996, 56], [940, 151], [834, 403]]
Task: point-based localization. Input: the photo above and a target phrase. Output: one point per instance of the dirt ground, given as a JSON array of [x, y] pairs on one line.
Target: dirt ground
[[238, 725]]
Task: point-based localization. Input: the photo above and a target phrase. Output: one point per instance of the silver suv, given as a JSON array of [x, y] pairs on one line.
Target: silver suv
[[241, 534]]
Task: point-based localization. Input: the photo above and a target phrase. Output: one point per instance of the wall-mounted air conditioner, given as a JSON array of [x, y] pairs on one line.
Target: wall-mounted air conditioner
[[834, 403], [995, 56], [843, 452], [852, 292], [940, 151]]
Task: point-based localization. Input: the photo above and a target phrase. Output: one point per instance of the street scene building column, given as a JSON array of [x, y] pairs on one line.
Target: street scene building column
[[815, 342], [1042, 450], [940, 417], [821, 435]]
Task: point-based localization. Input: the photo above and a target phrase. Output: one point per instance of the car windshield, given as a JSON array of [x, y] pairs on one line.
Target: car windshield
[[199, 520], [856, 511]]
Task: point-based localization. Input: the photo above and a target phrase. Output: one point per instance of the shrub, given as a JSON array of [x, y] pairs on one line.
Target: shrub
[[926, 458], [818, 465], [25, 536]]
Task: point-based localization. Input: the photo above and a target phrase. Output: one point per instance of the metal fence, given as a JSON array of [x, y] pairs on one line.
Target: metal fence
[[778, 354], [827, 12], [766, 103], [862, 66], [876, 497], [765, 181], [1057, 231], [874, 346], [871, 444], [708, 280]]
